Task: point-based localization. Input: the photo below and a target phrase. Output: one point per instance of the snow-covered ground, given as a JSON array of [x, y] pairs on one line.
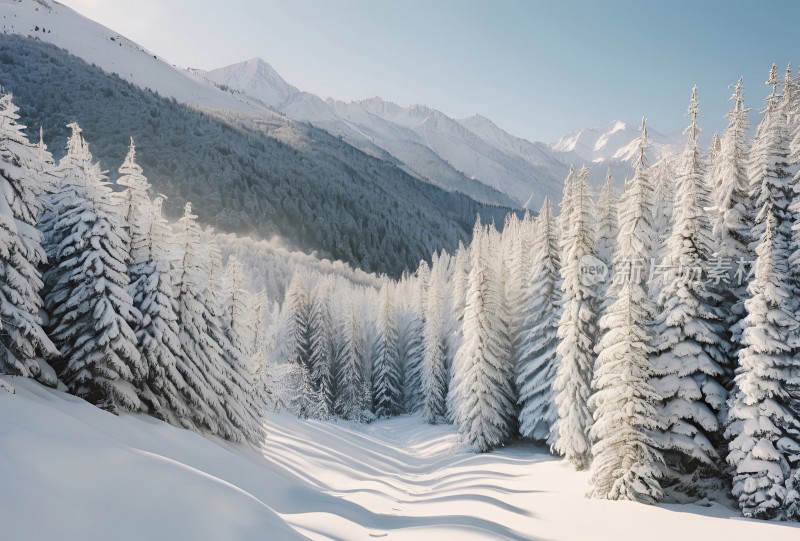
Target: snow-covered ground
[[71, 471]]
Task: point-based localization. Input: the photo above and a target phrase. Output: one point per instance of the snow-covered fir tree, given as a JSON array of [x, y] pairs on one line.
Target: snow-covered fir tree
[[577, 330], [91, 311], [769, 176], [414, 350], [25, 348], [322, 344], [460, 285], [434, 368], [762, 426], [239, 406], [135, 210], [484, 376], [663, 194], [537, 340], [298, 333], [350, 396], [203, 359], [731, 224], [387, 390], [169, 395], [565, 206], [626, 464], [605, 215], [687, 347]]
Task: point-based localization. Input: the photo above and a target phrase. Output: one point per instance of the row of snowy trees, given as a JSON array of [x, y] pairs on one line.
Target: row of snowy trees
[[652, 336], [100, 295]]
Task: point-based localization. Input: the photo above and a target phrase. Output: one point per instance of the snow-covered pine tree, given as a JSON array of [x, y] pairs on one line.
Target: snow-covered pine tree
[[91, 311], [168, 395], [484, 387], [605, 213], [350, 399], [414, 348], [387, 389], [238, 403], [565, 209], [435, 373], [663, 175], [322, 344], [770, 180], [298, 331], [136, 212], [762, 428], [537, 339], [239, 318], [626, 465], [25, 348], [202, 357], [460, 282], [263, 342], [577, 331], [687, 348], [731, 224], [714, 149]]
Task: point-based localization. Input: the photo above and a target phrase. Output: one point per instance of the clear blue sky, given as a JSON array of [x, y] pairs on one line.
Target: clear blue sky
[[537, 68]]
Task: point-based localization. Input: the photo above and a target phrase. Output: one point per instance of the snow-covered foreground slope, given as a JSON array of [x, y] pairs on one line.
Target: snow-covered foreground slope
[[71, 471]]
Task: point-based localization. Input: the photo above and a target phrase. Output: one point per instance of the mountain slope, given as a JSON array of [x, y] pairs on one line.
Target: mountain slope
[[259, 174], [370, 133], [55, 23], [471, 155]]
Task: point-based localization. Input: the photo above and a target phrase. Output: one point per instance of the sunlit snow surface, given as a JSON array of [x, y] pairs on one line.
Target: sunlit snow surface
[[71, 471]]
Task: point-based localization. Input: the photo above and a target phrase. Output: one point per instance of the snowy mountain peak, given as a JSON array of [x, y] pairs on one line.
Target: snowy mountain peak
[[614, 141], [256, 78]]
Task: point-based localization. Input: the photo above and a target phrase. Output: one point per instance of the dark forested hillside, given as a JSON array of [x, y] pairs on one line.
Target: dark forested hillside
[[256, 176]]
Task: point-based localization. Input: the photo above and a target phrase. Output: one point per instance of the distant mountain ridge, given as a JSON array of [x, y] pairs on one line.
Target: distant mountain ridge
[[470, 155], [444, 150]]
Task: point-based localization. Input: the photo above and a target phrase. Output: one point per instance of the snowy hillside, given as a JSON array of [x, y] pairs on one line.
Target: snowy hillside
[[71, 471], [54, 23]]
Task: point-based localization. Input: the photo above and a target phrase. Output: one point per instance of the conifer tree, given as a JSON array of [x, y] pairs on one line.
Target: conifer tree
[[536, 363], [663, 175], [605, 215], [626, 465], [350, 397], [731, 224], [687, 350], [91, 311], [434, 368], [202, 357], [484, 386], [237, 399], [298, 332], [136, 212], [461, 270], [170, 397], [762, 427], [322, 345], [415, 347], [577, 330], [25, 348], [387, 390]]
